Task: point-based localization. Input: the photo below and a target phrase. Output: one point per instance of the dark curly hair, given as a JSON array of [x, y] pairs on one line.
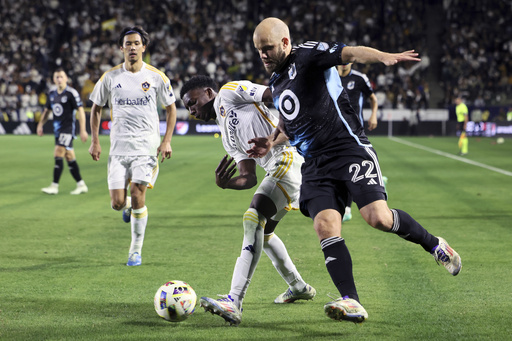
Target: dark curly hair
[[196, 82], [135, 29]]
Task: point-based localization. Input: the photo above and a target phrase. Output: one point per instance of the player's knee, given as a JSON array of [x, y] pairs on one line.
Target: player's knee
[[253, 220], [380, 220], [117, 205]]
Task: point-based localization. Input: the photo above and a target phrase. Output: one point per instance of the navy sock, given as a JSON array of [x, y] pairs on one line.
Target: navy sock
[[75, 170], [57, 170], [409, 229], [339, 266]]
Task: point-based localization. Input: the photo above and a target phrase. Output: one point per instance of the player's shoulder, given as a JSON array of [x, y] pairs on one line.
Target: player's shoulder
[[72, 91], [232, 89], [112, 71], [160, 73]]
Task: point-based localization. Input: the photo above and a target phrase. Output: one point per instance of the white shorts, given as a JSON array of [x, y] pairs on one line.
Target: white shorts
[[282, 183], [136, 169]]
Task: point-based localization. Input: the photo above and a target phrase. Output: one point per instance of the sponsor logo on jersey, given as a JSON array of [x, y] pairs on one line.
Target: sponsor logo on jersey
[[57, 109], [132, 101], [232, 123], [118, 86], [292, 71], [145, 86]]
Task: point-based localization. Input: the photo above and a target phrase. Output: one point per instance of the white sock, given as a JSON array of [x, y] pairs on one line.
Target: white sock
[[348, 210], [80, 183], [254, 223], [139, 222], [276, 251]]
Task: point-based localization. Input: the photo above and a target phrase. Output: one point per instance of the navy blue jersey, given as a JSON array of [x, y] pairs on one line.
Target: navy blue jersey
[[358, 87], [315, 109], [64, 106]]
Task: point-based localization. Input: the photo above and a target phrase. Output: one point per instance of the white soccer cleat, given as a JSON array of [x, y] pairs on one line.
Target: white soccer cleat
[[224, 307], [447, 256], [79, 190], [346, 309], [289, 297], [52, 189]]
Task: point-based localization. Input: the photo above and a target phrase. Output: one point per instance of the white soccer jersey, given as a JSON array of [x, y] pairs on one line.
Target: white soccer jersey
[[242, 116], [132, 98]]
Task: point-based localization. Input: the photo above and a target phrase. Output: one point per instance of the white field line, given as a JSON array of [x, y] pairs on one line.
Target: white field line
[[455, 157]]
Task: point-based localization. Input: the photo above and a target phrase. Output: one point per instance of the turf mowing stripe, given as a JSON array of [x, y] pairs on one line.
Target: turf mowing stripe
[[455, 157]]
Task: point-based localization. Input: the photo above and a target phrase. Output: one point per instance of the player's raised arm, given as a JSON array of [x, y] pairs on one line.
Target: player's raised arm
[[369, 55]]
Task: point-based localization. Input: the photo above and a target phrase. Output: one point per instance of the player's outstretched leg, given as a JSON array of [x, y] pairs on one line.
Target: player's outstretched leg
[[224, 307]]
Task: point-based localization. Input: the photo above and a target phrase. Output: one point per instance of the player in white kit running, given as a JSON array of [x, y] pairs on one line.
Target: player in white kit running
[[133, 91]]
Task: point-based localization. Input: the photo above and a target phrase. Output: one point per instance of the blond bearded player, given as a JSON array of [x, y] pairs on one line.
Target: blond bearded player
[[132, 90]]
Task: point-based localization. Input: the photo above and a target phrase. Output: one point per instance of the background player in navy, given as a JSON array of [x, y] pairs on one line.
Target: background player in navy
[[64, 102], [358, 87], [316, 115]]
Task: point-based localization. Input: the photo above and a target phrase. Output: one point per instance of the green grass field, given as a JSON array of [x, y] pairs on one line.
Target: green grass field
[[62, 258]]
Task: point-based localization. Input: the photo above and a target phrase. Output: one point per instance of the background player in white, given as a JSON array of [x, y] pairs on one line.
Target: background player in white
[[131, 90], [67, 107], [239, 112]]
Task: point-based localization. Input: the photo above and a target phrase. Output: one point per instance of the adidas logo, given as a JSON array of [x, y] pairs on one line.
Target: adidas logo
[[22, 129], [329, 259], [372, 182], [118, 86], [249, 248]]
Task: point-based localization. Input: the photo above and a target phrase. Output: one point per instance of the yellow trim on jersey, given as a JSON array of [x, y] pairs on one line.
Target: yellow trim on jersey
[[230, 86], [112, 69], [154, 69], [285, 165], [264, 116]]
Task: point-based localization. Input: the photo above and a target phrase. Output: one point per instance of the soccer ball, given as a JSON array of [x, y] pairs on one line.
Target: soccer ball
[[175, 301]]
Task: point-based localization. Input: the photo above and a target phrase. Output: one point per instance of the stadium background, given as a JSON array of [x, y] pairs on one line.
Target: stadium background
[[465, 48]]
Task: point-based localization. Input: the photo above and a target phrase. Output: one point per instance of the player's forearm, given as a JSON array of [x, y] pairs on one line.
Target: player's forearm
[[81, 119], [170, 118], [361, 54], [242, 182], [95, 123]]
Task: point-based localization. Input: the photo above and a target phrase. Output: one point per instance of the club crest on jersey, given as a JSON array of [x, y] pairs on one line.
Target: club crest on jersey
[[64, 99], [222, 111], [351, 85], [145, 86], [292, 71]]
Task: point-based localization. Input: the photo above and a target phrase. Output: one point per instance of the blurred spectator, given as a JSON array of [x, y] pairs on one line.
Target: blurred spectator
[[37, 37]]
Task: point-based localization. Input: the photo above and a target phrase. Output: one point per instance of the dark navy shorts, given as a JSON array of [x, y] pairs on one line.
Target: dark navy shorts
[[329, 178]]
